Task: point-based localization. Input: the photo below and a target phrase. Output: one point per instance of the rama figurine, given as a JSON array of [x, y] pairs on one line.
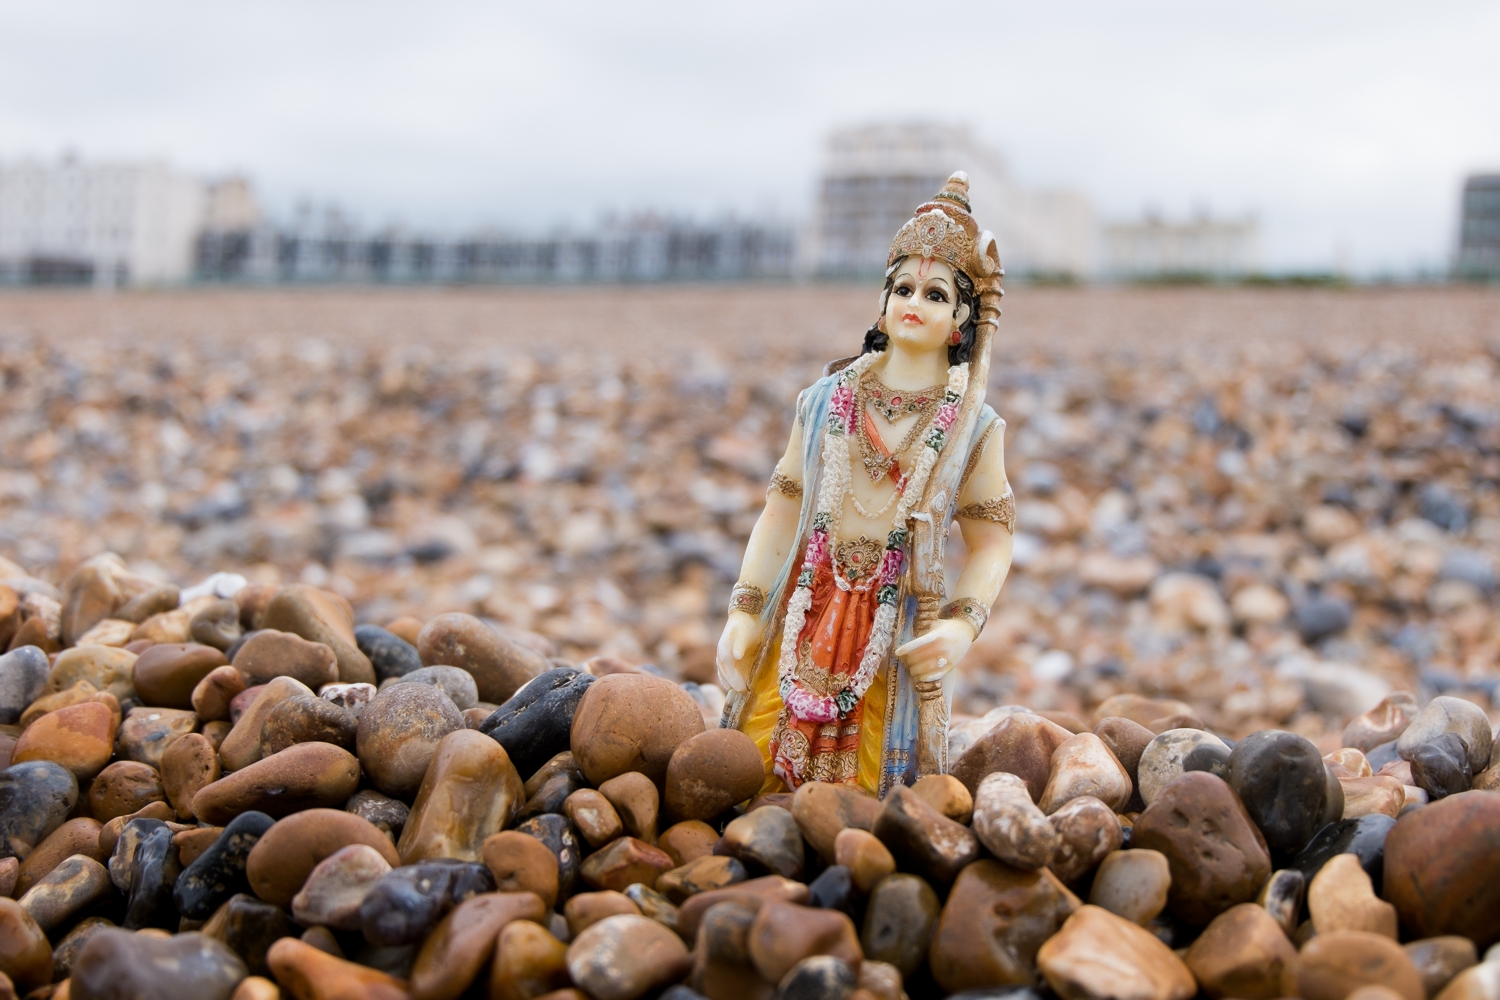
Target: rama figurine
[[839, 651]]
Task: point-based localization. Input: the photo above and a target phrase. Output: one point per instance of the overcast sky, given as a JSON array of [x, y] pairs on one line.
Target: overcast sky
[[1347, 127]]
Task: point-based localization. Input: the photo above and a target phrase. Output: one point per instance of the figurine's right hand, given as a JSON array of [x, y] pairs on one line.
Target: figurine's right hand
[[737, 647]]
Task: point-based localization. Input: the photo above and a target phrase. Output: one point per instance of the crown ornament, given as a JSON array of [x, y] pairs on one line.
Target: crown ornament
[[943, 229]]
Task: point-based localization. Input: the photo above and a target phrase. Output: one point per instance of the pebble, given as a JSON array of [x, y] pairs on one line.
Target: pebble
[[1342, 898], [287, 853], [588, 908], [783, 934], [154, 870], [712, 771], [1242, 953], [768, 839], [947, 795], [1021, 744], [399, 732], [213, 694], [1482, 982], [554, 830], [464, 942], [1440, 766], [303, 776], [1331, 966], [692, 839], [124, 787], [1162, 760], [25, 955], [122, 854], [404, 906], [705, 873], [652, 904], [217, 624], [1083, 765], [79, 738], [1133, 884], [306, 718], [623, 862], [79, 693], [867, 859], [819, 977], [1088, 831], [1376, 794], [834, 890], [457, 684], [625, 957], [636, 802], [1010, 825], [194, 841], [529, 962], [35, 798], [146, 733], [1383, 723], [631, 722], [1097, 954], [268, 654], [75, 836], [319, 616], [1442, 868], [536, 723], [389, 654], [220, 870], [23, 677], [166, 675], [187, 766], [106, 667], [306, 973], [385, 813], [118, 965], [499, 666], [66, 951], [753, 894], [1216, 855], [1461, 718], [1438, 959], [470, 791], [70, 888], [250, 927], [1282, 781], [592, 814], [923, 840], [337, 885], [822, 810], [1282, 896], [550, 785], [352, 698], [995, 920], [519, 862], [10, 870], [242, 747], [899, 921], [721, 955], [1363, 837]]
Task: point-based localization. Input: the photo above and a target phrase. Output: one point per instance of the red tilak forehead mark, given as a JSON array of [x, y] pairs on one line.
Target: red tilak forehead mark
[[923, 267]]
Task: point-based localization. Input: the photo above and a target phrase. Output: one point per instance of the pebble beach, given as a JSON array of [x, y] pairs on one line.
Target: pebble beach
[[359, 643]]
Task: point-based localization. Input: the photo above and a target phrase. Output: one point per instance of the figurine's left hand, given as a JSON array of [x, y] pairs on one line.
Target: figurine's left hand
[[934, 655]]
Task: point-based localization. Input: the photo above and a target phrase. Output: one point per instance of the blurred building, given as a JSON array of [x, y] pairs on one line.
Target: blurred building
[[1479, 229], [1199, 247], [70, 222], [874, 176]]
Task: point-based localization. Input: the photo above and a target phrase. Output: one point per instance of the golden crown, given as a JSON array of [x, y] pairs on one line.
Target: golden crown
[[944, 230]]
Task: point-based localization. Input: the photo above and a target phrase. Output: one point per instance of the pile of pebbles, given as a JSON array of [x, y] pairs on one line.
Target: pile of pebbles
[[234, 791]]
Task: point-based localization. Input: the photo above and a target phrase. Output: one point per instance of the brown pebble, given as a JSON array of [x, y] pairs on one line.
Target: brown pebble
[[307, 718], [187, 766], [284, 856], [822, 809], [242, 747], [309, 974], [167, 675], [212, 695], [1439, 959], [321, 616], [147, 732], [592, 814], [25, 954], [947, 795], [399, 732], [192, 843], [712, 771], [699, 875], [1088, 832], [1021, 744], [269, 654], [864, 855], [124, 787], [304, 776], [637, 802], [1242, 953], [529, 962], [588, 908], [79, 737], [631, 722], [76, 836], [1335, 964], [498, 665], [784, 934], [257, 988], [687, 840], [994, 922], [470, 791], [406, 627], [464, 941], [623, 863], [522, 863], [1099, 954]]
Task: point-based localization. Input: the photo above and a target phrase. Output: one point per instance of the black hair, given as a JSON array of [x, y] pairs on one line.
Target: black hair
[[958, 353]]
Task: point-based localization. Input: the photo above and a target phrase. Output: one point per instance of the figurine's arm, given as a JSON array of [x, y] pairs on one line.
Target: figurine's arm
[[770, 541], [986, 516]]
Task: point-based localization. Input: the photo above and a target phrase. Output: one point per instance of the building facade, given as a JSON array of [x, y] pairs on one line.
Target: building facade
[[1198, 247], [1479, 229], [69, 222], [874, 176]]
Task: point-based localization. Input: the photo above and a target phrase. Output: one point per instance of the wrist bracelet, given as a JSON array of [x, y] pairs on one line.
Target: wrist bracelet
[[969, 610], [748, 598]]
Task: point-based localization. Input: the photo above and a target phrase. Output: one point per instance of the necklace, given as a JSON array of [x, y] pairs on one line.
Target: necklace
[[893, 405]]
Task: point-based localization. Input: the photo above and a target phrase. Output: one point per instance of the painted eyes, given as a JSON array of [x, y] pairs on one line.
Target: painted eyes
[[903, 290], [937, 295]]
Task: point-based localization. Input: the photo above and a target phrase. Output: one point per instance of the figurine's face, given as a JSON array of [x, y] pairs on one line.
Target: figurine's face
[[920, 313]]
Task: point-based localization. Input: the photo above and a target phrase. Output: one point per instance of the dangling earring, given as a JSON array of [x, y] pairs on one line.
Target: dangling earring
[[954, 338]]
